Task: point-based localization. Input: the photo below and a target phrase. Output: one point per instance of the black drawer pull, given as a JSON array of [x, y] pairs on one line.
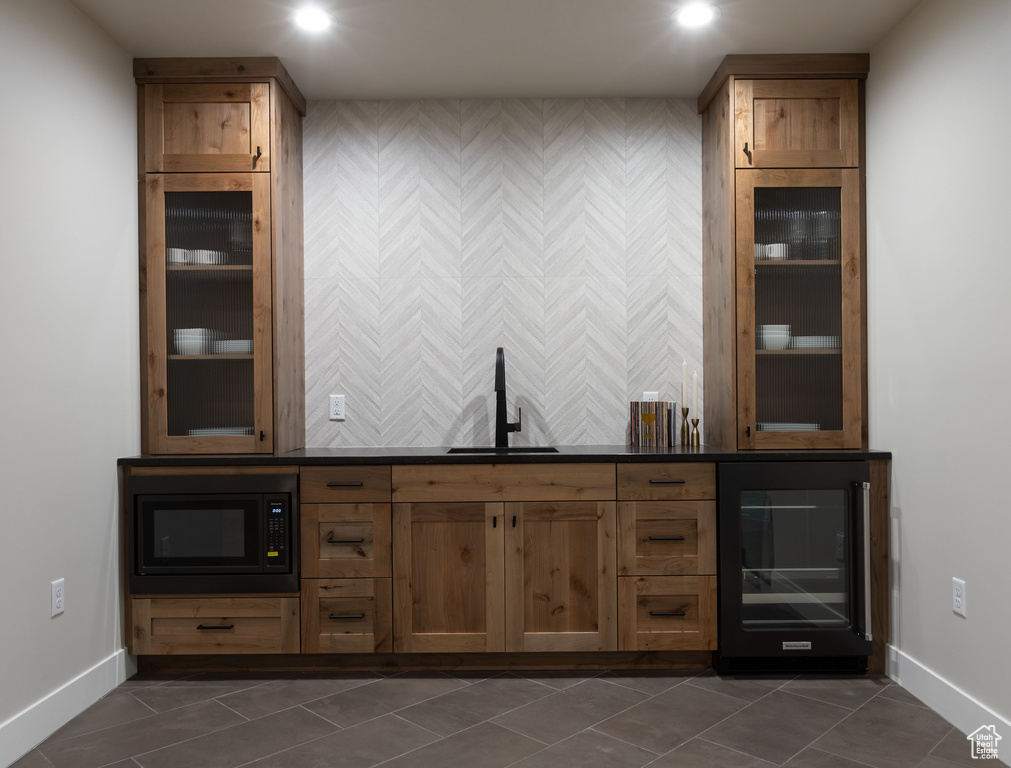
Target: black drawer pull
[[345, 541], [344, 485], [336, 616], [216, 626], [658, 613], [666, 538], [667, 482]]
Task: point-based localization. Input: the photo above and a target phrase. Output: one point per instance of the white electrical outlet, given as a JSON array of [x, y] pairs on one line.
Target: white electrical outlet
[[650, 397], [336, 407], [958, 596], [57, 595]]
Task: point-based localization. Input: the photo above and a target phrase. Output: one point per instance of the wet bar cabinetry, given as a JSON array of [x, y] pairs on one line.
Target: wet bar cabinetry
[[783, 253], [220, 162]]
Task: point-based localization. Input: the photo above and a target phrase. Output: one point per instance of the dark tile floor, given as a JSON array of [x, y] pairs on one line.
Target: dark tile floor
[[487, 720]]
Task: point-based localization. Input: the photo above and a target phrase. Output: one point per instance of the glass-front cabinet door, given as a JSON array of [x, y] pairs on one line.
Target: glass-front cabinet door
[[209, 381], [799, 330]]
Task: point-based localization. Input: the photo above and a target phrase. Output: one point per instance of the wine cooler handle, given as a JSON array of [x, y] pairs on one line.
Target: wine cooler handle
[[867, 561]]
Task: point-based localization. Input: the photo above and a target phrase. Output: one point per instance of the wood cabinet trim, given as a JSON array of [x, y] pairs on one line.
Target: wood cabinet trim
[[778, 66], [218, 69], [503, 482]]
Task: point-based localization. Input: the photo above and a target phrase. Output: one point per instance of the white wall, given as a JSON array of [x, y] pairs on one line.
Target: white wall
[[69, 390], [939, 256]]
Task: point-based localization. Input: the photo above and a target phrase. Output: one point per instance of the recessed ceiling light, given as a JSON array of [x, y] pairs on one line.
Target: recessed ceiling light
[[313, 19], [696, 14]]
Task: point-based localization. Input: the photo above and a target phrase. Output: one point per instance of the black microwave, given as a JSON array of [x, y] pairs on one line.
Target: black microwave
[[213, 533]]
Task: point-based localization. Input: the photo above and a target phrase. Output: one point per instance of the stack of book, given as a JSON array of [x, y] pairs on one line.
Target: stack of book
[[653, 423]]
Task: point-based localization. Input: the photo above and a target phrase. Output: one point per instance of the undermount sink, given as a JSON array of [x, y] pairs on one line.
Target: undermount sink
[[516, 449]]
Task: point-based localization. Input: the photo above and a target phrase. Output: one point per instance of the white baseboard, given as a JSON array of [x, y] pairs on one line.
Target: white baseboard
[[948, 700], [29, 728]]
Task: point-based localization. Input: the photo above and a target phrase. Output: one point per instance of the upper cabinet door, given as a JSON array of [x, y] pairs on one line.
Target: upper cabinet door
[[797, 124], [799, 309], [207, 295], [207, 128]]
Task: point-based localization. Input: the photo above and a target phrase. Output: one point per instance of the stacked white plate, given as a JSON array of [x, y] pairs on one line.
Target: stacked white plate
[[222, 431], [195, 256], [814, 342], [192, 341], [232, 347], [785, 426]]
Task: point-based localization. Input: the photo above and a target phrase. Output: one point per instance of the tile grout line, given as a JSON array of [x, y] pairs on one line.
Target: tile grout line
[[824, 733], [732, 714], [616, 738]]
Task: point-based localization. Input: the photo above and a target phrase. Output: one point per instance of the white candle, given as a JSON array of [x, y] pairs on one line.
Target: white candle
[[684, 382], [695, 385]]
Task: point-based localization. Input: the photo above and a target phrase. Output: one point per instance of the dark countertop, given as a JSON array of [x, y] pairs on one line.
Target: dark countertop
[[567, 454]]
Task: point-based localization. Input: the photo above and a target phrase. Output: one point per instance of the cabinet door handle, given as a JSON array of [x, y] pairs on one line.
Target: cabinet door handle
[[514, 521], [345, 541], [339, 616], [344, 485], [673, 613], [494, 522], [216, 626], [259, 154], [666, 538], [866, 488], [747, 431], [667, 482]]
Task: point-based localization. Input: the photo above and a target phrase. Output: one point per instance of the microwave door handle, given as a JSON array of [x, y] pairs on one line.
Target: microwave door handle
[[867, 560]]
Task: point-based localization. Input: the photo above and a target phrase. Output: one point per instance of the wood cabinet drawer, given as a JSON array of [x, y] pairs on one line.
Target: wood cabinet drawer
[[347, 616], [345, 541], [681, 480], [215, 625], [334, 485], [666, 538], [667, 613], [504, 482]]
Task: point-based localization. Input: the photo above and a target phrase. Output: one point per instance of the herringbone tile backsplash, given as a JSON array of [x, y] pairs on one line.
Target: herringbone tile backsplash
[[568, 231]]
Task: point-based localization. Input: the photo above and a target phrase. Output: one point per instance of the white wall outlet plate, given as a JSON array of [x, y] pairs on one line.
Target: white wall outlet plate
[[336, 407], [56, 597], [958, 596], [650, 397]]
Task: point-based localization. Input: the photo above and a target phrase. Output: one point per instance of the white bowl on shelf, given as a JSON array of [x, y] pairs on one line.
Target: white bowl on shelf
[[773, 337]]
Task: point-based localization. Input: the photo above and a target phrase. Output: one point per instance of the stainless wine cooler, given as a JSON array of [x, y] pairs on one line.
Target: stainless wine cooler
[[794, 567]]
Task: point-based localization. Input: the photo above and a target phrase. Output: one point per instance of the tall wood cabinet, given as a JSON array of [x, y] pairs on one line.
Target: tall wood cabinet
[[784, 252], [222, 320]]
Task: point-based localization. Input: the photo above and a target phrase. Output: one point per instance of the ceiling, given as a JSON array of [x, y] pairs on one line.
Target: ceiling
[[391, 49]]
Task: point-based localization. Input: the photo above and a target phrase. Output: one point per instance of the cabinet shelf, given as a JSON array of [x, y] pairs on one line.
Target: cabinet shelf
[[795, 263], [210, 357], [816, 351], [209, 267]]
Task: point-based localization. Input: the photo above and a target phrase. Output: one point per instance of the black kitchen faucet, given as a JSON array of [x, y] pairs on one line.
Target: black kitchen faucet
[[503, 427]]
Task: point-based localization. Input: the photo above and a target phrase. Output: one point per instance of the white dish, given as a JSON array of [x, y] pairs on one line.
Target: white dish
[[785, 426], [205, 256], [815, 342], [177, 256], [220, 431], [232, 347], [190, 347]]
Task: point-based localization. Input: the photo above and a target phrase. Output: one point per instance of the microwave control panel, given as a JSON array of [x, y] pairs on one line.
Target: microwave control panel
[[277, 534]]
